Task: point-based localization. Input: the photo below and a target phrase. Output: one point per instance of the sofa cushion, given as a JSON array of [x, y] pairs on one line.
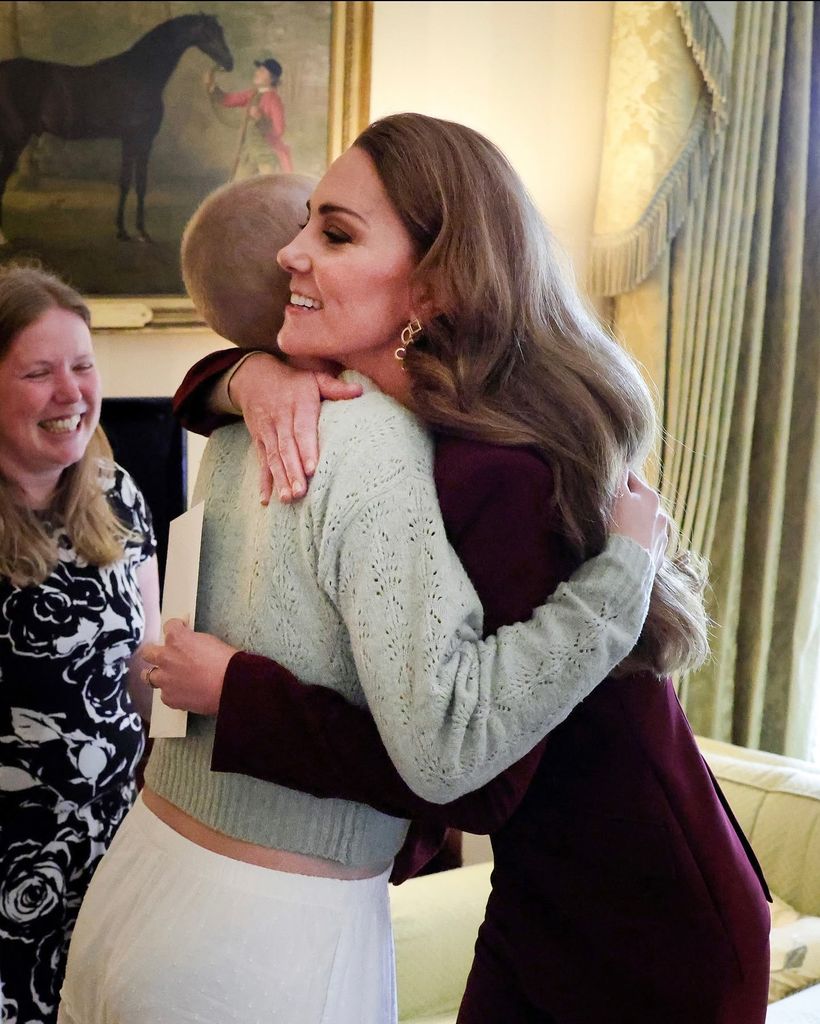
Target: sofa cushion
[[435, 921], [795, 945]]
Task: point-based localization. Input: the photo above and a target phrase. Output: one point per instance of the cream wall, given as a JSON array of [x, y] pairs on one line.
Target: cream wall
[[531, 76]]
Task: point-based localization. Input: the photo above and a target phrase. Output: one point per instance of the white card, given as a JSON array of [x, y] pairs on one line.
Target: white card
[[178, 602]]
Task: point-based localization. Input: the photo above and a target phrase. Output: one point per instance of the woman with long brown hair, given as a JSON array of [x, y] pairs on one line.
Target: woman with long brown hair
[[78, 594], [617, 858]]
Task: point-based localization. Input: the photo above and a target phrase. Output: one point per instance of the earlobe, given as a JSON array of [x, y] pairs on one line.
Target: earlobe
[[425, 304]]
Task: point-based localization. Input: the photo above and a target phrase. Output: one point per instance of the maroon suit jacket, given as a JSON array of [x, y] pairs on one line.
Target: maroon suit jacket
[[623, 889]]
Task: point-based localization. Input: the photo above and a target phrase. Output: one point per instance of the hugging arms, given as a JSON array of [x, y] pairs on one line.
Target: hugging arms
[[498, 510]]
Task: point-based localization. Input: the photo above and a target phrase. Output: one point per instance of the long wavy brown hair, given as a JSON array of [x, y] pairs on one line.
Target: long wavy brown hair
[[28, 549], [517, 358]]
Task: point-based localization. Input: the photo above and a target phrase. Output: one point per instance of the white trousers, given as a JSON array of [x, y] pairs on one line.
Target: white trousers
[[171, 933]]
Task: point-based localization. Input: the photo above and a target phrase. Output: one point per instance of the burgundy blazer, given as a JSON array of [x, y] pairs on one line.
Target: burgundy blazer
[[623, 889]]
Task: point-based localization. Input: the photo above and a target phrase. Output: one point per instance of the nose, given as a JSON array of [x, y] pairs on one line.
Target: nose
[[68, 389], [293, 257]]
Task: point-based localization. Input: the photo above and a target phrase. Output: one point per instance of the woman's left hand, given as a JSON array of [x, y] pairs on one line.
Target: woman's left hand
[[189, 668]]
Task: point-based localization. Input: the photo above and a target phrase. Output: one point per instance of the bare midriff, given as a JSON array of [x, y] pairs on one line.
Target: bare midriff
[[237, 849]]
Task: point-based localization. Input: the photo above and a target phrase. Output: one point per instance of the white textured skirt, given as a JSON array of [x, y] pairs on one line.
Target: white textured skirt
[[171, 933]]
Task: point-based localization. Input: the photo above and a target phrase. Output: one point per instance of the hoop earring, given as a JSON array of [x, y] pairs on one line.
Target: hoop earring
[[408, 336]]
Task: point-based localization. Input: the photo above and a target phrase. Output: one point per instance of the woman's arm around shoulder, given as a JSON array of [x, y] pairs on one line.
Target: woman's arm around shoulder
[[280, 404]]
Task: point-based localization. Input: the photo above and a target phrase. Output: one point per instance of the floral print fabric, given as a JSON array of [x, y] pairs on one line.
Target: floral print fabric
[[70, 741]]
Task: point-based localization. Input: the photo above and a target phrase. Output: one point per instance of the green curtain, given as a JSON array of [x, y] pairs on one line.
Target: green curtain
[[730, 315]]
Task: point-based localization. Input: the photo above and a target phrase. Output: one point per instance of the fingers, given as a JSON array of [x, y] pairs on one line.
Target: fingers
[[292, 461], [306, 432], [282, 416], [272, 473], [285, 452], [638, 513], [155, 654], [336, 390], [151, 652], [298, 440], [266, 479], [147, 675]]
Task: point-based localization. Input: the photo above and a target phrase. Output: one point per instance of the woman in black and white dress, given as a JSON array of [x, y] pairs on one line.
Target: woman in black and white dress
[[79, 593]]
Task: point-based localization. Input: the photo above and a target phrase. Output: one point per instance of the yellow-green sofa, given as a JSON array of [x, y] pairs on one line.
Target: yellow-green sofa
[[776, 800]]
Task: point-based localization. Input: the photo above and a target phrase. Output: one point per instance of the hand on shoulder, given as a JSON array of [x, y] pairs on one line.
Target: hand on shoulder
[[281, 405], [637, 513]]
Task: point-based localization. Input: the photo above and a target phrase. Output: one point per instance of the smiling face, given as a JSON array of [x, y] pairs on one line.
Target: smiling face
[[350, 269], [50, 393]]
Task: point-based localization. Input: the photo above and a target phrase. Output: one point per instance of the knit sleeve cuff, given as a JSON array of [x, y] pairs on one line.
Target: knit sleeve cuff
[[628, 558]]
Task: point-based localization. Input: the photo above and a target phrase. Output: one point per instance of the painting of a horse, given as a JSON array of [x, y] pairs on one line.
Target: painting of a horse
[[119, 97]]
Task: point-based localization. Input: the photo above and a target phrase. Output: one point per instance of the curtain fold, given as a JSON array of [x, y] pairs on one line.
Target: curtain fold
[[728, 325]]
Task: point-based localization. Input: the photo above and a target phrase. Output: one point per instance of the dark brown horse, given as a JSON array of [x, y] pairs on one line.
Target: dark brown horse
[[116, 98]]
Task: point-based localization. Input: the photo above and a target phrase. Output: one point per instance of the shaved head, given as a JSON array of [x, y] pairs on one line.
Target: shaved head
[[229, 252]]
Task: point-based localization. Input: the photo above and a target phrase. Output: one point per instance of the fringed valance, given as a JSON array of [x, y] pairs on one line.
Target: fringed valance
[[666, 110]]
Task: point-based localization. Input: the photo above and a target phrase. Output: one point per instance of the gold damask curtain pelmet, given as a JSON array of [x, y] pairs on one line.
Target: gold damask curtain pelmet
[[666, 111]]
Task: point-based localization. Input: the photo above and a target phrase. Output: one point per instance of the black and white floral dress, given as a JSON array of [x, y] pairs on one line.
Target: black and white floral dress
[[70, 741]]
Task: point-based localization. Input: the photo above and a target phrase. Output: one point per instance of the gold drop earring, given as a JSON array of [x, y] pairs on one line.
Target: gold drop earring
[[408, 336]]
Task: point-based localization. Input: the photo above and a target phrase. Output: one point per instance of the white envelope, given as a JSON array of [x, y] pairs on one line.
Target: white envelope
[[179, 602]]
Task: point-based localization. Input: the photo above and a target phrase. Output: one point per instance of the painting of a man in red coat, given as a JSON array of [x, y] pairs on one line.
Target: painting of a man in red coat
[[262, 148]]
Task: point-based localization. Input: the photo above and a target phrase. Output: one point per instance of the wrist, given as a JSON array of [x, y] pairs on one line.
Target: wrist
[[233, 381]]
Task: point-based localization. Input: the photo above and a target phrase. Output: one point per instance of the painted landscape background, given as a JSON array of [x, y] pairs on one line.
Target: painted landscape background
[[60, 205]]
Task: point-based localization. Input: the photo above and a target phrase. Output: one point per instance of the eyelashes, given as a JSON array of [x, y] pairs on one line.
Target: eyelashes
[[46, 372], [333, 235]]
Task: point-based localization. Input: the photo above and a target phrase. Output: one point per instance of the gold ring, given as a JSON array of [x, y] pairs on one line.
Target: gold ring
[[148, 676]]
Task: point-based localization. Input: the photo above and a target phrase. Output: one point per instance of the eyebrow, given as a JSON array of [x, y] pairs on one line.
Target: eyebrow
[[326, 208]]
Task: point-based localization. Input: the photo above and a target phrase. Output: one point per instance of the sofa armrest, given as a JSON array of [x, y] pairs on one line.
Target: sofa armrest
[[777, 802]]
